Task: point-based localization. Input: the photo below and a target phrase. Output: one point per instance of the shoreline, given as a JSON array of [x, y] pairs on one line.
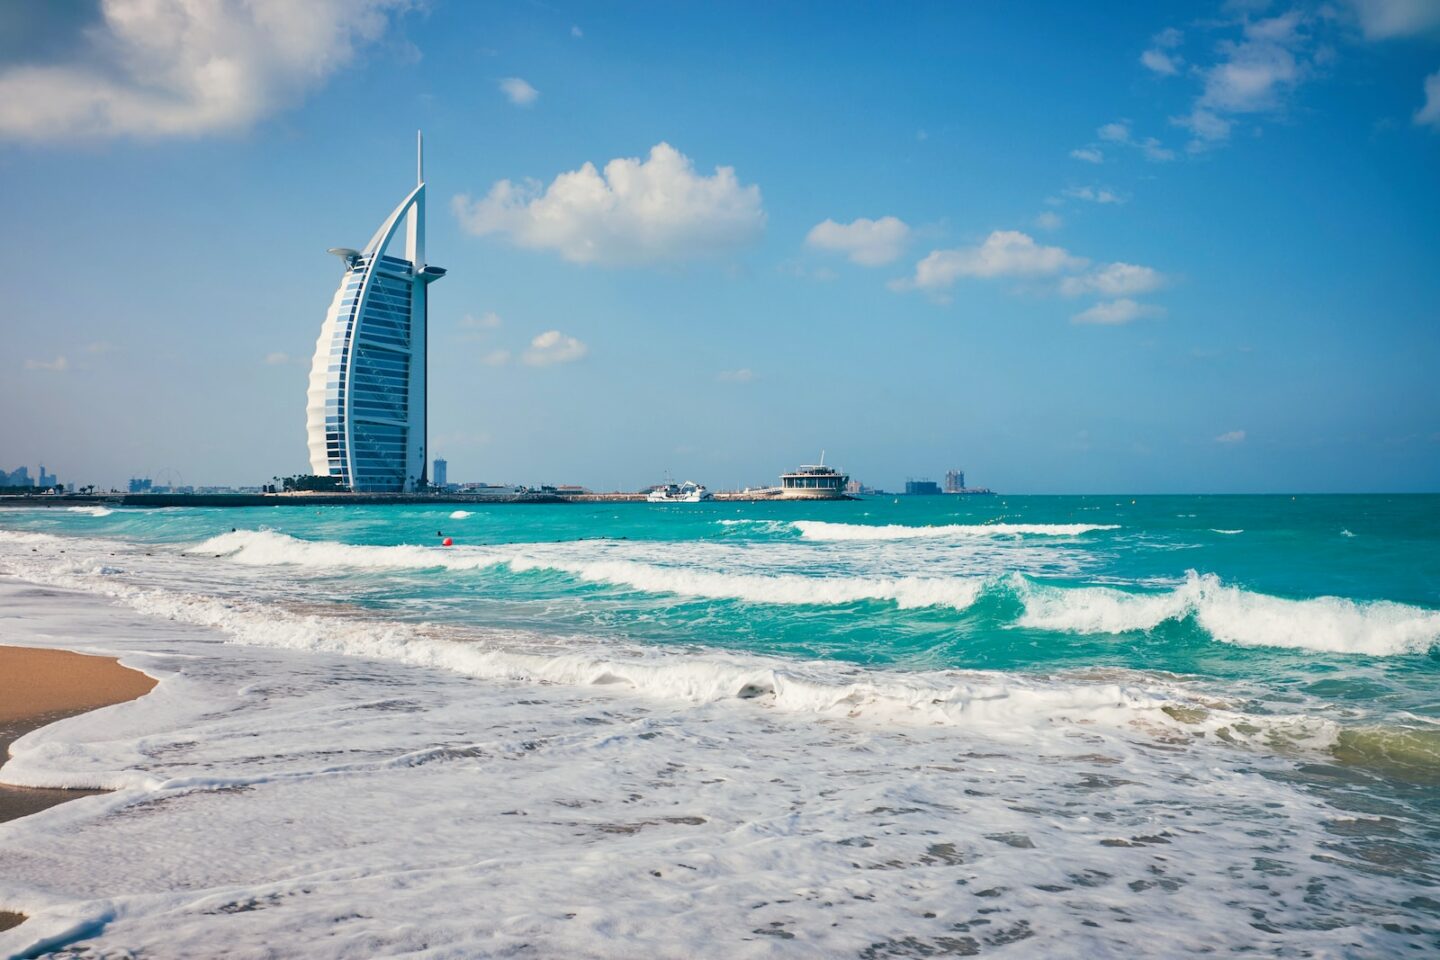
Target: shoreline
[[39, 687]]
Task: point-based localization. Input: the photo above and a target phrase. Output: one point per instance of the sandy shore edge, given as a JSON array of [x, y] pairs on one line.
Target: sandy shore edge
[[39, 687]]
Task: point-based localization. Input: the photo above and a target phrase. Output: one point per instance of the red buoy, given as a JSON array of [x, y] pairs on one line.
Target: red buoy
[[447, 542]]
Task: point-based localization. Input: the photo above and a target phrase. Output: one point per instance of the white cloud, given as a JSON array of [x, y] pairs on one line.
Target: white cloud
[[58, 365], [496, 358], [1232, 436], [1161, 62], [1005, 253], [553, 347], [1154, 150], [1094, 194], [576, 32], [489, 320], [518, 91], [636, 212], [1429, 114], [743, 375], [1088, 154], [152, 68], [1383, 19], [1157, 59], [1049, 220], [1118, 132], [1114, 280], [867, 242], [1117, 312], [100, 346], [1256, 75], [277, 358]]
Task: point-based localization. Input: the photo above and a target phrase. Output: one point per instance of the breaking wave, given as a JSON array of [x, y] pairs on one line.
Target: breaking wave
[[267, 548], [1227, 613], [461, 514], [91, 511], [1233, 615], [823, 530]]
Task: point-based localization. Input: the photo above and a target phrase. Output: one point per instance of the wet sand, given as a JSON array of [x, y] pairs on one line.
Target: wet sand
[[38, 687]]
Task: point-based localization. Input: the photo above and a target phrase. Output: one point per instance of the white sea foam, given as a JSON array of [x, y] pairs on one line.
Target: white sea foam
[[268, 548], [1233, 615], [593, 815], [824, 530], [1230, 533], [820, 687], [461, 514], [91, 511]]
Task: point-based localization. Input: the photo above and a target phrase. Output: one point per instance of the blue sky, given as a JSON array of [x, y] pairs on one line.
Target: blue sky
[[1067, 247]]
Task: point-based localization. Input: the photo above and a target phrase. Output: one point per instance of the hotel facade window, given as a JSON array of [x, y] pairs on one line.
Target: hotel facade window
[[365, 410]]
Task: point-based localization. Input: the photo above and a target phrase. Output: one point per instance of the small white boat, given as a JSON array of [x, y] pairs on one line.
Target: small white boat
[[687, 492]]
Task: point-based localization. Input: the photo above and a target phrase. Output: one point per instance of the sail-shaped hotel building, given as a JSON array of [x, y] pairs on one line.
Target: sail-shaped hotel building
[[366, 403]]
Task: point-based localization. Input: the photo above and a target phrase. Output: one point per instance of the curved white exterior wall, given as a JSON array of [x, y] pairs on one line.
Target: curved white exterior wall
[[365, 410]]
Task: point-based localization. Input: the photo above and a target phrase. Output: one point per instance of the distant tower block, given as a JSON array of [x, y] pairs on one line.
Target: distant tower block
[[955, 481], [365, 410], [438, 474]]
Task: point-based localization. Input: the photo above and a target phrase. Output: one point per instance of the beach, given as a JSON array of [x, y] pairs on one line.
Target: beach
[[39, 687], [374, 749]]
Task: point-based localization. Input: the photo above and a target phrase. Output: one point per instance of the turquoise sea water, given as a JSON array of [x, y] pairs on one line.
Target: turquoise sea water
[[1311, 624]]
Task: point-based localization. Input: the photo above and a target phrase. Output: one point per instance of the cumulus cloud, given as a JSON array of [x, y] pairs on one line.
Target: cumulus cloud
[[1161, 62], [1049, 220], [1117, 312], [58, 365], [634, 212], [1114, 280], [743, 375], [552, 347], [867, 242], [157, 68], [1157, 58], [1094, 194], [496, 358], [518, 91], [1232, 436], [277, 358], [1254, 75], [1117, 132], [1088, 154], [1429, 114], [1384, 19], [1005, 253]]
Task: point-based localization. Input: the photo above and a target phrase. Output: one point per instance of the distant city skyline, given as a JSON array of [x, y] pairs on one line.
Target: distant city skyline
[[1188, 248]]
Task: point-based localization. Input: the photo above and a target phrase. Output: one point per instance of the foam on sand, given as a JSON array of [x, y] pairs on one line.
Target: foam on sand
[[1233, 615], [824, 530]]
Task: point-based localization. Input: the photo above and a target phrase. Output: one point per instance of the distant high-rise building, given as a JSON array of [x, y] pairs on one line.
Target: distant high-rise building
[[438, 477], [19, 477], [955, 481], [365, 407], [46, 479], [140, 484], [921, 488]]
